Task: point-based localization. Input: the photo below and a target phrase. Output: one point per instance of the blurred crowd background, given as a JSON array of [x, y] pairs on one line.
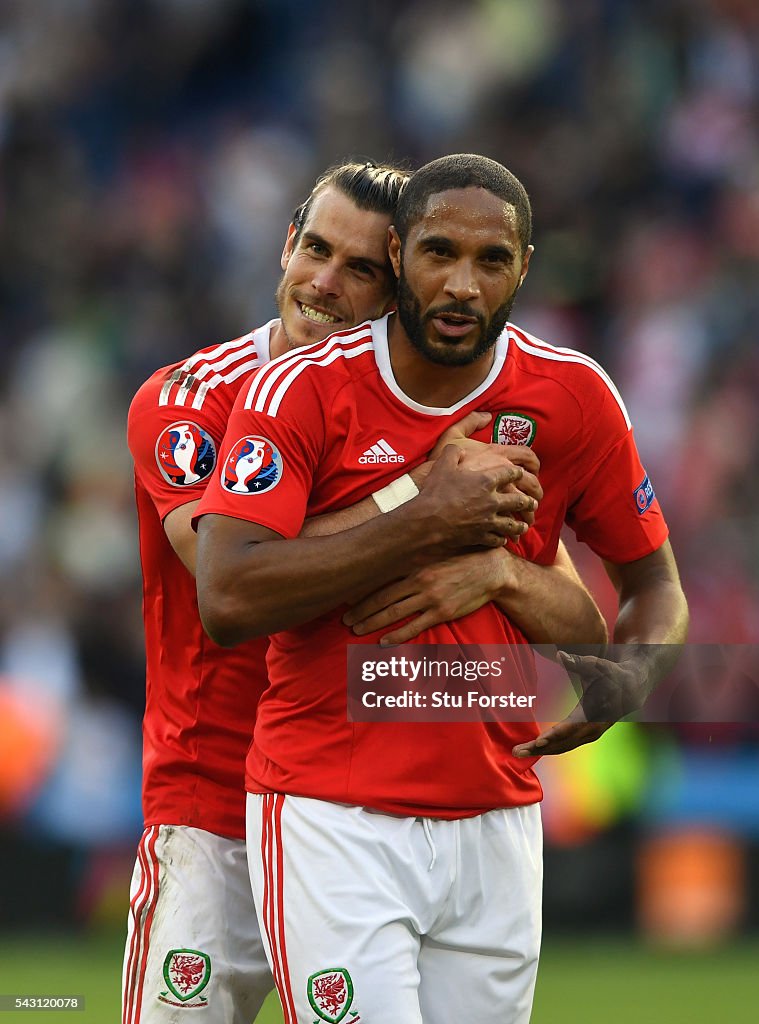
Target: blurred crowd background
[[151, 154]]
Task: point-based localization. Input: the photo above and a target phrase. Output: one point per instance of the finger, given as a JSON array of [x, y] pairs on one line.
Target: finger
[[586, 663], [517, 479], [409, 630], [389, 616], [567, 660], [578, 738], [497, 537], [554, 745], [544, 740], [583, 662], [501, 529], [494, 540], [522, 511], [559, 730], [506, 473], [460, 432], [557, 740], [467, 426], [520, 455], [529, 484], [531, 749], [380, 599], [513, 529], [512, 503]]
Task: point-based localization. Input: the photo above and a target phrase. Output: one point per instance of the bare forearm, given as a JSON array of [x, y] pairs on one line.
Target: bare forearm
[[364, 510], [280, 584], [653, 612], [656, 615], [549, 604], [337, 522], [656, 622]]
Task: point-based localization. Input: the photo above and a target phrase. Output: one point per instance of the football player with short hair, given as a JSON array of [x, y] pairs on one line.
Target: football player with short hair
[[396, 866], [193, 940]]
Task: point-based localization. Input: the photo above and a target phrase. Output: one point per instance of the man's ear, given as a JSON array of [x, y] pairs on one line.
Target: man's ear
[[526, 264], [394, 249], [289, 246]]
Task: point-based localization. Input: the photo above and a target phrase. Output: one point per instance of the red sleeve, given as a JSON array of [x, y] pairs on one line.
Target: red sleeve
[[267, 463], [612, 504], [175, 449]]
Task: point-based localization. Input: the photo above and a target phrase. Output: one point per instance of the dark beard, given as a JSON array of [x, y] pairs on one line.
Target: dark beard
[[409, 314]]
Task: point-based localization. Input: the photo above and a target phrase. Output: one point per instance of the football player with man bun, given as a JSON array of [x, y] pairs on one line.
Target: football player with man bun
[[193, 940], [396, 865]]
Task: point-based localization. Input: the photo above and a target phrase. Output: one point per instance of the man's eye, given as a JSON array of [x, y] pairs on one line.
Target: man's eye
[[364, 269], [317, 249]]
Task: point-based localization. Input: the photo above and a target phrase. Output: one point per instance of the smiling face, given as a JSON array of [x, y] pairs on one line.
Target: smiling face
[[459, 271], [336, 271]]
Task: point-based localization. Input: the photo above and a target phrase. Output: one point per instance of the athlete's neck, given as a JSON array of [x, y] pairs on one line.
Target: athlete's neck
[[278, 341], [429, 383]]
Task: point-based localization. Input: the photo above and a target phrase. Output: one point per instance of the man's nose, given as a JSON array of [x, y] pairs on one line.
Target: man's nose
[[461, 282], [326, 279]]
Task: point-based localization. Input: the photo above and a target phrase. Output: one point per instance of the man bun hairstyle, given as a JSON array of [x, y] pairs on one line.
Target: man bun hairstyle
[[373, 187], [463, 170]]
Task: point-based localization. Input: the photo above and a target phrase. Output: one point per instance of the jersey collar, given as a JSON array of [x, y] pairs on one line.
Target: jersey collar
[[382, 356], [262, 341]]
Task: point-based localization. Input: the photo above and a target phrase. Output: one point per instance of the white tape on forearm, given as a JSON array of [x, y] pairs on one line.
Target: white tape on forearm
[[396, 493]]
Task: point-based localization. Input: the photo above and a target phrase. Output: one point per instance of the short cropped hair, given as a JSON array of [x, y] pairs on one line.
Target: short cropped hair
[[463, 170], [371, 186]]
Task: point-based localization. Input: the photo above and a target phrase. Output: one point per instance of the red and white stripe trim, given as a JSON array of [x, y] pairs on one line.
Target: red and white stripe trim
[[224, 363], [535, 347], [272, 858], [220, 355], [141, 911], [270, 386]]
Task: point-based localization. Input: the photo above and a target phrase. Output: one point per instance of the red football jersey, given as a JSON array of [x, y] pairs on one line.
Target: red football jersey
[[200, 698], [320, 429]]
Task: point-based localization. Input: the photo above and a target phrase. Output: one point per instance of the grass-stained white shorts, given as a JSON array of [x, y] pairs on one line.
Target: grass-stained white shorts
[[193, 948]]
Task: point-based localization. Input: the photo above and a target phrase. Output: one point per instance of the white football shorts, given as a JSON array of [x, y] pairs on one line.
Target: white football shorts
[[376, 918], [192, 938]]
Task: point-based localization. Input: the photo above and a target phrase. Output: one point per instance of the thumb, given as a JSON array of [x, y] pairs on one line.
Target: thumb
[[472, 422], [569, 661]]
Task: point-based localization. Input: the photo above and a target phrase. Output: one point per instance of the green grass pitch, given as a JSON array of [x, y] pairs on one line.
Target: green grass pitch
[[581, 981]]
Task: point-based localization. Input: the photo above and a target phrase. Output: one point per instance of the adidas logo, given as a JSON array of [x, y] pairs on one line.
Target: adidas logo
[[380, 451]]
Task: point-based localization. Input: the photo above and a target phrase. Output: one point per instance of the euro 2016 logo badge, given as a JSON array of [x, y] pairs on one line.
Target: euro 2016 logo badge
[[185, 454], [254, 465]]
